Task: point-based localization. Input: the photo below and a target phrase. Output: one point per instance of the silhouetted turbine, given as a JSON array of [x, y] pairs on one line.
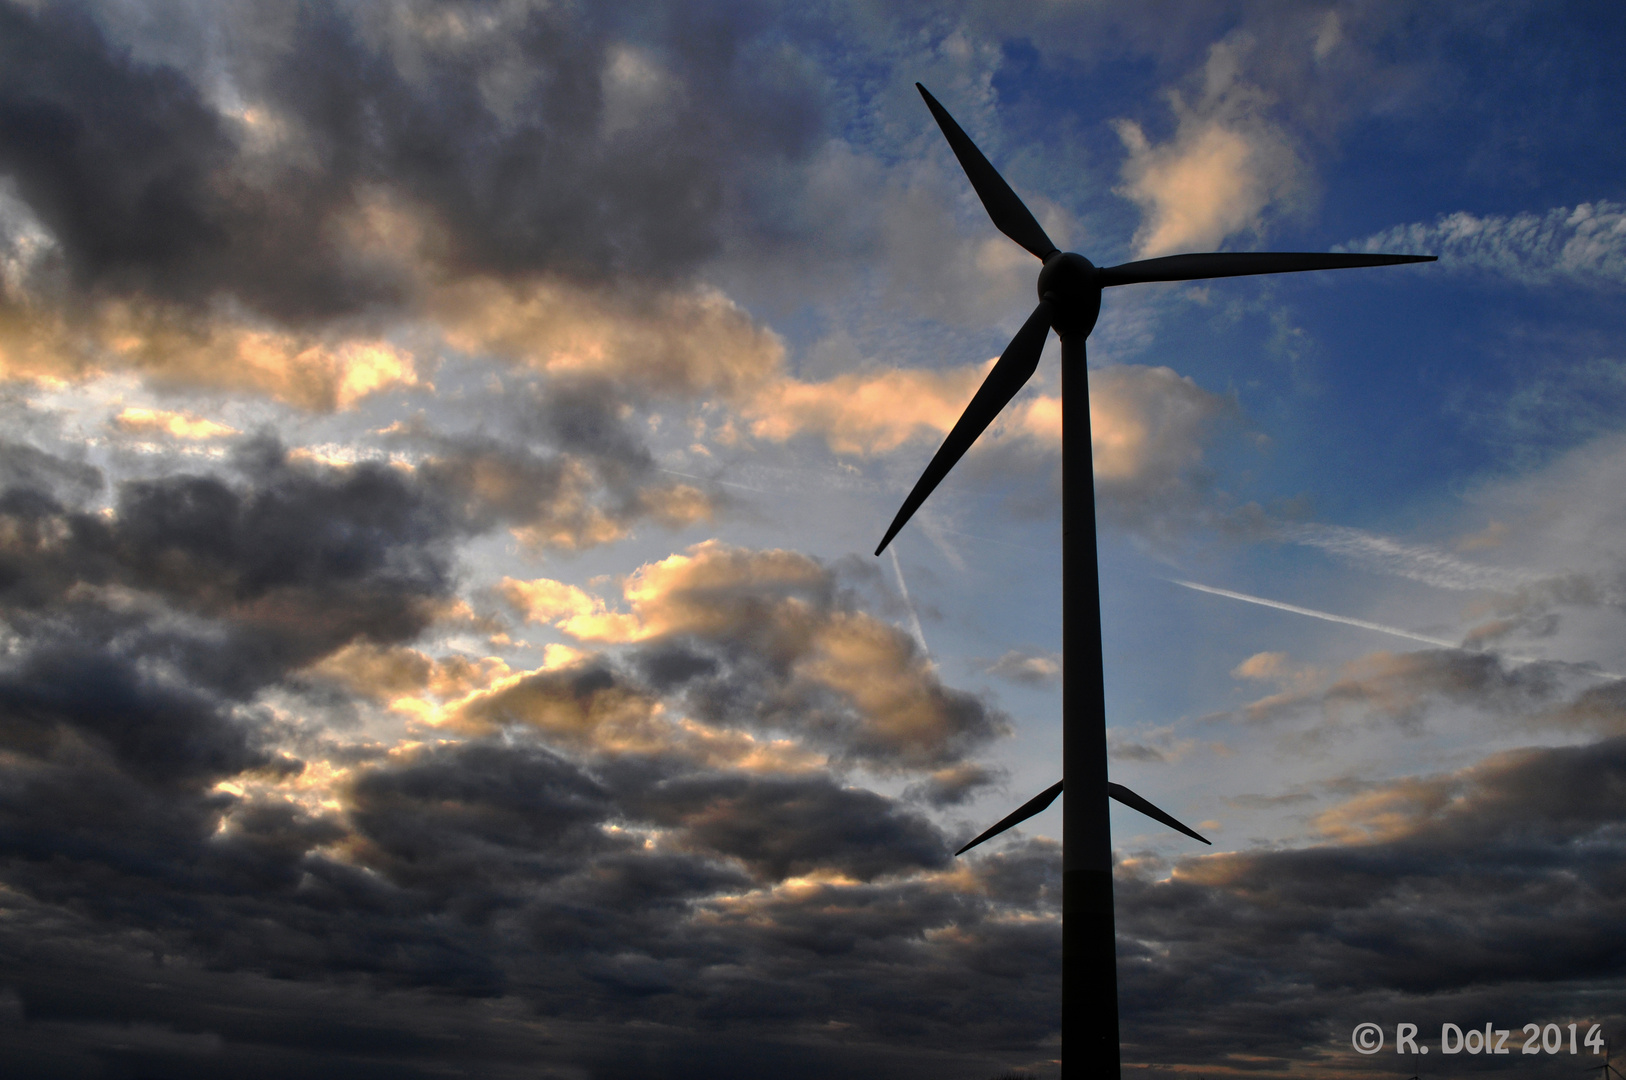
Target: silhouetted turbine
[[1605, 1069], [1069, 303]]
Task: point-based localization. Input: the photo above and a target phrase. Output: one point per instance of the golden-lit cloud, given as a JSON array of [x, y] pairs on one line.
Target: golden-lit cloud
[[864, 414], [581, 704], [673, 342], [544, 601], [711, 589], [377, 672], [1389, 813], [677, 506], [301, 370], [863, 683], [881, 672], [1226, 165], [179, 425], [408, 680], [316, 372], [1148, 425]]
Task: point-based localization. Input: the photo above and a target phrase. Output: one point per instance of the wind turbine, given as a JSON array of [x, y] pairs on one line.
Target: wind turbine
[[1069, 303], [1605, 1069]]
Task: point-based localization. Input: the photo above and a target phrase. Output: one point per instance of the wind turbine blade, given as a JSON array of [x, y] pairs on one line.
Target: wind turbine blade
[[1135, 802], [1217, 264], [1011, 216], [1017, 816], [1010, 374]]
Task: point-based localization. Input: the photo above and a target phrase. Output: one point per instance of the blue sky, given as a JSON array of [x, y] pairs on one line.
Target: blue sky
[[443, 445]]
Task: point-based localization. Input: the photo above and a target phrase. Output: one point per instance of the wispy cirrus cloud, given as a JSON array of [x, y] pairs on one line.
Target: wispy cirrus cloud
[[1417, 562], [1583, 244]]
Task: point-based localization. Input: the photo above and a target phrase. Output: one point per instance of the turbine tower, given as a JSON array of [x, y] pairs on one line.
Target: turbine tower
[[1069, 303]]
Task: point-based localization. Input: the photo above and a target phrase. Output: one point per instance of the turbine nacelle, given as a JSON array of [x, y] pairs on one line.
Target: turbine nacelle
[[1071, 285], [1070, 297]]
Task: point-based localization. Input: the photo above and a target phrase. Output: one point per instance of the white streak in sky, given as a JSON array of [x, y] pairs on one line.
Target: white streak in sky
[[1394, 631], [1312, 613], [934, 532], [914, 619], [713, 480]]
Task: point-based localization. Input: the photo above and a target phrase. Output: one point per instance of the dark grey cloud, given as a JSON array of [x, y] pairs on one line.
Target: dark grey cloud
[[574, 477], [446, 821], [28, 467], [579, 141], [584, 882], [288, 563], [499, 870], [1404, 689], [953, 785], [115, 158], [1484, 897], [785, 826], [611, 886]]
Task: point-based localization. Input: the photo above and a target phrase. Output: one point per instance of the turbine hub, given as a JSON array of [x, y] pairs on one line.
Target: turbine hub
[[1070, 283]]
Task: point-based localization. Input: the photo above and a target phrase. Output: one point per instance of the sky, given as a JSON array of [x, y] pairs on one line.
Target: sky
[[443, 447]]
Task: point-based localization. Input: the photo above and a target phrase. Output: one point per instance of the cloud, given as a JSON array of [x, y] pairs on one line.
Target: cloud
[[175, 424], [864, 414], [257, 231], [1417, 562], [756, 640], [953, 785], [1035, 668], [172, 348], [788, 827], [1402, 688], [1227, 165], [165, 657], [153, 178], [668, 342], [500, 870], [403, 677], [1158, 745], [29, 468], [1148, 427], [1148, 430], [293, 563], [544, 601], [1583, 245], [556, 501], [1417, 907]]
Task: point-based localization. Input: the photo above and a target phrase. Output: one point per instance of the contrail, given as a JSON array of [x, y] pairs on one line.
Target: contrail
[[713, 480], [914, 620], [1394, 631], [1327, 615]]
